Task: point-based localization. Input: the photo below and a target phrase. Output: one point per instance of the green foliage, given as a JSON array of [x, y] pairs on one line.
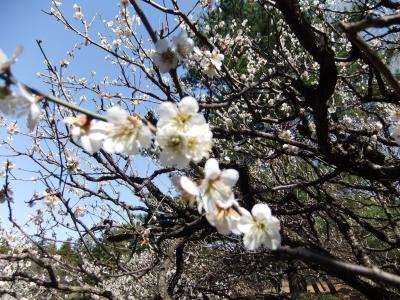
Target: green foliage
[[238, 18], [310, 296], [78, 296], [4, 247], [69, 253]]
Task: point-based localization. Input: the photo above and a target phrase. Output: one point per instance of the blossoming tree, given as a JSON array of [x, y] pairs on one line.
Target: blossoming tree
[[241, 145]]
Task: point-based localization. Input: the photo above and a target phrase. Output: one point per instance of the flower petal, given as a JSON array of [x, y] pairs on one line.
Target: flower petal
[[211, 169], [252, 241], [3, 59], [261, 211], [273, 241], [33, 117], [116, 115], [245, 222], [145, 137], [24, 93], [189, 186], [229, 177], [189, 105], [88, 145], [161, 46], [167, 111]]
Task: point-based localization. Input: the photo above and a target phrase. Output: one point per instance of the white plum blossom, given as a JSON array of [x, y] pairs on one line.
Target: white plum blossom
[[78, 15], [182, 133], [211, 62], [6, 194], [124, 133], [216, 188], [31, 108], [50, 199], [165, 57], [13, 129], [88, 131], [225, 219], [117, 43], [260, 228], [80, 212], [180, 147], [286, 135], [183, 45], [181, 116], [187, 188], [215, 196], [20, 105], [5, 62], [347, 120]]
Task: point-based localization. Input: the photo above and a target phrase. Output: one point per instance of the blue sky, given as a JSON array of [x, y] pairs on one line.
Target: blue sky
[[22, 22]]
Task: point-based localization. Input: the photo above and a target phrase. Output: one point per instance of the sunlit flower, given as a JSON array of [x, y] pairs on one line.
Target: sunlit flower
[[286, 135], [348, 121], [164, 58], [183, 115], [212, 62], [124, 133], [5, 62], [179, 183], [3, 59], [20, 105], [215, 196], [260, 228], [78, 15], [73, 164], [57, 3], [117, 43], [13, 129], [180, 147], [80, 212], [51, 199], [225, 219], [215, 190], [183, 45], [8, 165], [6, 194], [182, 133], [88, 131]]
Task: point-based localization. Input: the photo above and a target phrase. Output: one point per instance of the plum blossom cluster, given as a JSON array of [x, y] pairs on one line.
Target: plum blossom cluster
[[18, 105], [210, 61], [215, 197], [122, 133], [182, 133], [167, 57]]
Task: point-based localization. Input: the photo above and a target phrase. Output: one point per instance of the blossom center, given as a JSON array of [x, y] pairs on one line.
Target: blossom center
[[123, 131], [183, 119], [218, 190], [175, 142], [225, 212], [261, 226], [168, 56]]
